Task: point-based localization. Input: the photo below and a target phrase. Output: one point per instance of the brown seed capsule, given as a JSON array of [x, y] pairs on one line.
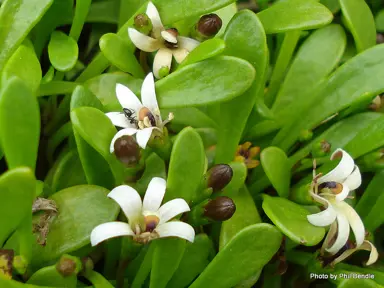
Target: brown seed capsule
[[209, 25], [220, 209], [127, 150], [219, 176]]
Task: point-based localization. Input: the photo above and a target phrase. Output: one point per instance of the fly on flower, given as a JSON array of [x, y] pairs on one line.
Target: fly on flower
[[167, 42], [147, 220], [140, 118], [331, 190]]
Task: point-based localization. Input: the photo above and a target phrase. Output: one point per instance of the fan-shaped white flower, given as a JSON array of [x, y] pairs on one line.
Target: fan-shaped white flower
[[330, 190], [147, 220], [166, 41], [139, 118]]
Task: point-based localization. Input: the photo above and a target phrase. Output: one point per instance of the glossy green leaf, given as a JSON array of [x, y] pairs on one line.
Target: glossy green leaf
[[19, 109], [56, 88], [207, 82], [195, 259], [370, 205], [50, 276], [206, 50], [226, 13], [14, 284], [25, 65], [291, 219], [81, 208], [94, 132], [17, 190], [379, 21], [104, 87], [81, 12], [350, 83], [360, 22], [332, 5], [261, 241], [63, 51], [357, 283], [378, 275], [154, 167], [245, 38], [276, 165], [189, 116], [166, 258], [145, 268], [115, 50], [82, 96], [294, 15], [17, 18], [186, 166]]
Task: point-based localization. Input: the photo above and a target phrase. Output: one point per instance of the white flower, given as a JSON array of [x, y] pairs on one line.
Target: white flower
[[330, 190], [166, 42], [136, 117], [146, 220]]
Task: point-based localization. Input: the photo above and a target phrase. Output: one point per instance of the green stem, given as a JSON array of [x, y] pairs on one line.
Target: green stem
[[81, 12], [57, 138], [285, 55], [97, 280]]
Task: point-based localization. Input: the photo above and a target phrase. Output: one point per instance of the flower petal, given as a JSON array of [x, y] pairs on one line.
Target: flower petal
[[162, 59], [342, 170], [354, 180], [332, 232], [148, 94], [154, 194], [153, 14], [180, 54], [172, 209], [343, 194], [169, 37], [143, 42], [368, 246], [342, 234], [176, 229], [187, 43], [129, 201], [142, 136], [354, 220], [118, 119], [323, 218], [110, 230], [123, 132], [127, 98]]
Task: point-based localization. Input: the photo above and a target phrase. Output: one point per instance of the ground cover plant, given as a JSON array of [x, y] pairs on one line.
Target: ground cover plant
[[191, 143]]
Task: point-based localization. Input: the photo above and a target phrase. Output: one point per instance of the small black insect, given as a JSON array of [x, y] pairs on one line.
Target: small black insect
[[130, 114]]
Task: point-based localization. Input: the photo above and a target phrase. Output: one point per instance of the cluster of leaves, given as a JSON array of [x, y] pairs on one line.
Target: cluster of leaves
[[59, 64]]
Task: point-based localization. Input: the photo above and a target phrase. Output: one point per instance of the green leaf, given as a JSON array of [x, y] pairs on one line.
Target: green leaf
[[370, 205], [63, 51], [81, 12], [97, 280], [186, 166], [50, 276], [226, 13], [349, 84], [189, 116], [203, 83], [25, 65], [166, 258], [81, 208], [94, 132], [291, 219], [360, 22], [357, 283], [276, 165], [207, 49], [245, 38], [17, 190], [104, 86], [294, 15], [261, 241], [194, 261], [332, 5], [17, 18], [145, 268], [115, 50], [56, 88], [154, 167], [379, 21], [19, 124], [14, 284], [82, 96]]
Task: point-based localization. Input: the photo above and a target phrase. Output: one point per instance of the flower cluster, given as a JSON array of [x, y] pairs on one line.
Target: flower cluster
[[331, 190]]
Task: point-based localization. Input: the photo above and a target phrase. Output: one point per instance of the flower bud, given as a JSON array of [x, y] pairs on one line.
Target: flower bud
[[68, 265], [127, 150], [143, 23], [305, 135], [219, 176], [208, 26], [321, 149], [220, 209]]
